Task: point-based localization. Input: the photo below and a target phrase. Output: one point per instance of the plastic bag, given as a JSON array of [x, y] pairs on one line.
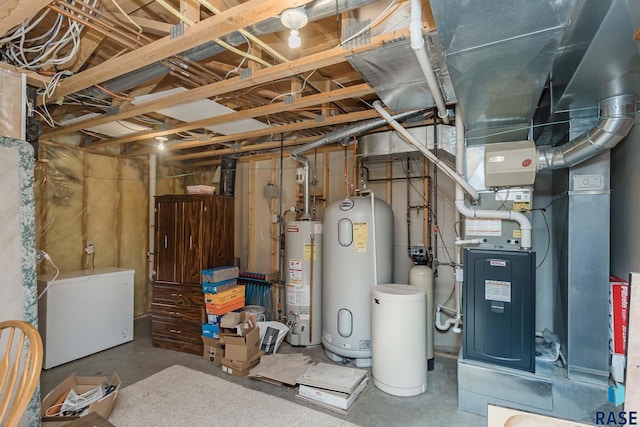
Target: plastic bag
[[269, 343]]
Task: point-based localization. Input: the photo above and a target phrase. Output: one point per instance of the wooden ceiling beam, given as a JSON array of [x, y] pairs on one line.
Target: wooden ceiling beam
[[349, 92], [308, 124], [241, 16], [266, 75], [14, 12]]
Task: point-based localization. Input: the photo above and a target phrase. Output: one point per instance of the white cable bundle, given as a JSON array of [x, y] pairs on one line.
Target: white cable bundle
[[41, 51]]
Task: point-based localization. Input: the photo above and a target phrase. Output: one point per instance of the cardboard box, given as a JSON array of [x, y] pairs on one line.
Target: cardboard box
[[618, 319], [220, 274], [225, 296], [241, 348], [212, 349], [225, 308], [240, 369], [210, 331], [80, 385], [214, 288]]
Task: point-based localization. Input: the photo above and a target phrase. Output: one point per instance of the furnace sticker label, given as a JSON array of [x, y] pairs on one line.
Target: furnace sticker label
[[360, 236], [497, 290], [307, 252], [483, 227]]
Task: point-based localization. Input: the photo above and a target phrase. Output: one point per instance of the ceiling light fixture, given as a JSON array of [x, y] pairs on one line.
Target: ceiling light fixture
[[161, 140], [294, 19]]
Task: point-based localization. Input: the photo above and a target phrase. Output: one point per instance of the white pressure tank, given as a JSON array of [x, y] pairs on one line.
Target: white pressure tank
[[422, 276], [399, 339], [358, 248], [303, 255]]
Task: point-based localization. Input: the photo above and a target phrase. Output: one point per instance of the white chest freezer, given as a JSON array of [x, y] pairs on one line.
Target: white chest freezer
[[84, 312]]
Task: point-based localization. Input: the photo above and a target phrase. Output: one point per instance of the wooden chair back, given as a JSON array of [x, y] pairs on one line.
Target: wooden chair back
[[20, 367]]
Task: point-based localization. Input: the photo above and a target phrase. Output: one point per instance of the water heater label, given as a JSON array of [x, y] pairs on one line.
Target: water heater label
[[307, 251], [364, 345], [298, 294], [360, 236], [295, 274], [292, 229], [295, 264], [317, 228], [497, 290]]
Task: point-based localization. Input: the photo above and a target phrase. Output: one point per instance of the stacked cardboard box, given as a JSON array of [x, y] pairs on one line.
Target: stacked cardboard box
[[332, 387], [240, 341], [222, 294]]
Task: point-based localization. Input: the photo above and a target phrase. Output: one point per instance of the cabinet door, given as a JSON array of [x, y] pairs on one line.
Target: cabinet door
[[167, 241], [191, 227]]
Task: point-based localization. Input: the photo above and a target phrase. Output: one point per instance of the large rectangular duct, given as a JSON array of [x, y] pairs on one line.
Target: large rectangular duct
[[499, 55]]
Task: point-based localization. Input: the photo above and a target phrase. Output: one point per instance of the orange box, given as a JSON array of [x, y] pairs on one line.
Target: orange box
[[226, 307], [225, 296]]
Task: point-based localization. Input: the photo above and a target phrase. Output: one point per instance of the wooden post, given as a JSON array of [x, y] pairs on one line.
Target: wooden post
[[252, 218], [84, 219], [119, 214], [274, 226], [425, 214]]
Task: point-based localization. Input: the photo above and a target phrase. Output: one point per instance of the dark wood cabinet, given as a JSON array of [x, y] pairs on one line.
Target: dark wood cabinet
[[193, 232]]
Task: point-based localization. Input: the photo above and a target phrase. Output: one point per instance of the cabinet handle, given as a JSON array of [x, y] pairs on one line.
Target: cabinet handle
[[175, 313], [175, 331], [176, 295], [190, 242], [166, 241]]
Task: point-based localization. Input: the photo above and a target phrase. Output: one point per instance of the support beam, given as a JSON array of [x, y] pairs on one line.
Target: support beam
[[266, 75], [14, 12], [246, 14], [265, 110]]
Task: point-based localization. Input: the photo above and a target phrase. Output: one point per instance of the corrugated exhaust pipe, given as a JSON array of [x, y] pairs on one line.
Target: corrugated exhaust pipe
[[357, 129], [617, 117]]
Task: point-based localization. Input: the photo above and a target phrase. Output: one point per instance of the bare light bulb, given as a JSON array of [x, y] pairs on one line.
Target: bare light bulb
[[161, 146], [294, 39]]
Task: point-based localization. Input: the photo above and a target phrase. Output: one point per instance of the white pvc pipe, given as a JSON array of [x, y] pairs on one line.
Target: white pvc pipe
[[152, 209], [418, 47], [428, 154], [523, 221]]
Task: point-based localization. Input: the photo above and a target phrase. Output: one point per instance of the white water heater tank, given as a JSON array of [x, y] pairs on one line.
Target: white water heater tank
[[353, 231], [303, 257]]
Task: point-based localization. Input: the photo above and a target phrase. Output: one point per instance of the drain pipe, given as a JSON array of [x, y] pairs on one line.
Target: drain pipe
[[334, 136], [418, 47], [617, 117]]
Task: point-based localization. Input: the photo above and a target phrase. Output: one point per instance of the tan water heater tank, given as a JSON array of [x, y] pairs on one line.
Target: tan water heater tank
[[508, 164]]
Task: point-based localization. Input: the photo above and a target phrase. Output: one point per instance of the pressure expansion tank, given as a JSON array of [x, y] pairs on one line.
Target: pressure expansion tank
[[358, 248]]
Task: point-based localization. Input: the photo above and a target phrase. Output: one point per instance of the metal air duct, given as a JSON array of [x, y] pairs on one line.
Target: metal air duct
[[617, 117]]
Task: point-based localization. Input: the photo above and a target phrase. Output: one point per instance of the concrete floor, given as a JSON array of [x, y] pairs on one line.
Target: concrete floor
[[138, 359]]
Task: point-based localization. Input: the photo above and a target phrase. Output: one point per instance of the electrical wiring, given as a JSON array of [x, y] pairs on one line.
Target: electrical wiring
[[546, 252], [41, 51], [304, 84], [373, 23], [50, 282], [244, 59], [126, 15]]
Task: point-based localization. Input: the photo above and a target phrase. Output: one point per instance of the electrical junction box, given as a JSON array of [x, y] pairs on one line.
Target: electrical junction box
[[510, 164]]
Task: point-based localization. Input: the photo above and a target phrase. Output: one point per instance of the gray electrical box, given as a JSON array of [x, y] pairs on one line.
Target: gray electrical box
[[499, 307]]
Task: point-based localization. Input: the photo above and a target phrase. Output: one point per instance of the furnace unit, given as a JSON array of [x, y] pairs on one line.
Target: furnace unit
[[499, 307]]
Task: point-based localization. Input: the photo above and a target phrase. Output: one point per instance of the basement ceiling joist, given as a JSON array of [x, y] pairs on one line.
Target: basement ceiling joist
[[297, 94]]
